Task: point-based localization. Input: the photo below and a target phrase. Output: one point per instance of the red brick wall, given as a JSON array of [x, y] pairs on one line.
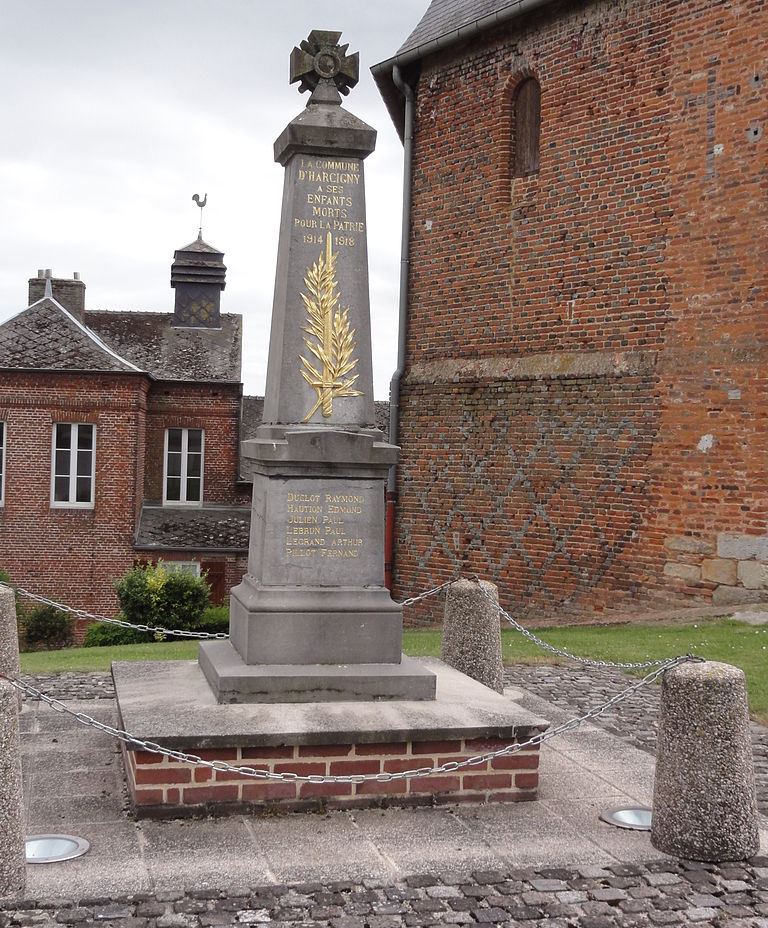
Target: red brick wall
[[71, 554], [159, 786], [574, 335], [212, 407]]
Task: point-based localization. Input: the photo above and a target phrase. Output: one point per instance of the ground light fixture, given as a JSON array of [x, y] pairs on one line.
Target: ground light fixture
[[636, 818], [53, 849]]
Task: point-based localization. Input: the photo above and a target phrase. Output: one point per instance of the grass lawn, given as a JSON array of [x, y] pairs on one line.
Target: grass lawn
[[745, 646]]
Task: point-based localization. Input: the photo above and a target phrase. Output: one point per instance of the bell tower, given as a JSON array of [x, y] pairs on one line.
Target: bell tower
[[198, 276]]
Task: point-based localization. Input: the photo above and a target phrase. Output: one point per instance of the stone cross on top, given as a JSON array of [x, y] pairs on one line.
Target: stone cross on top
[[320, 62]]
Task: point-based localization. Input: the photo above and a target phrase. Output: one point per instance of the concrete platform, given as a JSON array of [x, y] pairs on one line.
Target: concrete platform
[[234, 681], [171, 703], [73, 784]]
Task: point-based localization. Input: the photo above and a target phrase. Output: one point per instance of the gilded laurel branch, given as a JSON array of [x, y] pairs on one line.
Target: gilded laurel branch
[[330, 339]]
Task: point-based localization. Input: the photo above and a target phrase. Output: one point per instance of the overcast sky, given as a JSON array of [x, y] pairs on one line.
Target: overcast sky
[[113, 114]]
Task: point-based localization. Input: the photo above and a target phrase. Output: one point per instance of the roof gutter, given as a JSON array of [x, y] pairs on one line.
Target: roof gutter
[[402, 327], [405, 261], [518, 8]]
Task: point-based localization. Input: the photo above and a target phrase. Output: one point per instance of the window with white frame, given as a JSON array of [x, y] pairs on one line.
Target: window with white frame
[[182, 567], [183, 472], [2, 463], [73, 468]]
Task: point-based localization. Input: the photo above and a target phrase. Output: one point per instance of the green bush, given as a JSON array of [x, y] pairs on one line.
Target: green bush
[[152, 595], [103, 635], [5, 577], [215, 620], [48, 629]]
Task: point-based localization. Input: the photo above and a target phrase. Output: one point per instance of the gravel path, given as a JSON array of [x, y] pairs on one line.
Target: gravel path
[[621, 896]]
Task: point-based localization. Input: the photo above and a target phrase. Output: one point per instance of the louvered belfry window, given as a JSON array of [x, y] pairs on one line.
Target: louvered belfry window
[[527, 128]]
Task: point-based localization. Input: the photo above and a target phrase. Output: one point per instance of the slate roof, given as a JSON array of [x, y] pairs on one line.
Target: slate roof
[[445, 22], [252, 411], [46, 336], [169, 352], [210, 528]]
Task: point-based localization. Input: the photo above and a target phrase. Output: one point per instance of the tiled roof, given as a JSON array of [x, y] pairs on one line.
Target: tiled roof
[[211, 528], [445, 22], [445, 16], [381, 412], [171, 352], [253, 409], [46, 336]]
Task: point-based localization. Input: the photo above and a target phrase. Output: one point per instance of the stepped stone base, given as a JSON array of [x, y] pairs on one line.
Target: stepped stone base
[[170, 703], [233, 681]]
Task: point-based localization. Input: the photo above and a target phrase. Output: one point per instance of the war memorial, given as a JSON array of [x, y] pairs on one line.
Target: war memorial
[[312, 681]]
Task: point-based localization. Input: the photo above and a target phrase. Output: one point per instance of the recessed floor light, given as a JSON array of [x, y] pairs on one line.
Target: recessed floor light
[[637, 819], [52, 849]]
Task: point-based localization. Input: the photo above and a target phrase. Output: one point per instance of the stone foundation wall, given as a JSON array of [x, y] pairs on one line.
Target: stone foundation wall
[[733, 567], [160, 787]]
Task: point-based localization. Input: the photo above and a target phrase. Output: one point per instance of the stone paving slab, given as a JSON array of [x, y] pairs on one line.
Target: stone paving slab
[[584, 772], [569, 687]]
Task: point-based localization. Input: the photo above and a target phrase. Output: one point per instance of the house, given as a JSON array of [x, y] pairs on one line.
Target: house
[[583, 406], [120, 437]]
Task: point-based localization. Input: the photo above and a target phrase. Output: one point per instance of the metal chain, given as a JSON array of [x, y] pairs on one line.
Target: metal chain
[[171, 632], [588, 662], [91, 617], [222, 636], [537, 740], [424, 595]]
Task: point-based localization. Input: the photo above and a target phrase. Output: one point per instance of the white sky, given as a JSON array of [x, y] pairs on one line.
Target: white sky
[[113, 113]]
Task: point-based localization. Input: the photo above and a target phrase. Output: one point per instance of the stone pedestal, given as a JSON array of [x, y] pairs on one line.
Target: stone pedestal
[[704, 803], [171, 704], [472, 632], [12, 871], [312, 619]]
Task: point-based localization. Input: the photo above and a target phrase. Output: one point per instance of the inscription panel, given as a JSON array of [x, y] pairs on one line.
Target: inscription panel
[[325, 532], [329, 200]]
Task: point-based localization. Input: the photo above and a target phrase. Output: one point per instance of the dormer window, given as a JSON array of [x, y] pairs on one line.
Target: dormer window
[[183, 471]]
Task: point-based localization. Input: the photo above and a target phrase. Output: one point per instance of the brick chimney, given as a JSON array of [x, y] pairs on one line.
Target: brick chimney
[[70, 293]]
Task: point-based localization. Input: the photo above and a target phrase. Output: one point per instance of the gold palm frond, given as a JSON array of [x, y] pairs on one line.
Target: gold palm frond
[[329, 338]]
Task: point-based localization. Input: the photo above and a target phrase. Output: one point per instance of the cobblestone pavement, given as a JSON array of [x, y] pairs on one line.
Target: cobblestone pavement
[[621, 896], [72, 685], [635, 720]]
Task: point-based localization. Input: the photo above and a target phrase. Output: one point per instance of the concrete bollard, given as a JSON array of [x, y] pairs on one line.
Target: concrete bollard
[[12, 852], [9, 633], [471, 632], [704, 802]]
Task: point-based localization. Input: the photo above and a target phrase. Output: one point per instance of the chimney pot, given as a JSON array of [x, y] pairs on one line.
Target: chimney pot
[[70, 293], [41, 273], [76, 275]]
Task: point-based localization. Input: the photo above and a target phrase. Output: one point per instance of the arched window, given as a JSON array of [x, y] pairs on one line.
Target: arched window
[[527, 128]]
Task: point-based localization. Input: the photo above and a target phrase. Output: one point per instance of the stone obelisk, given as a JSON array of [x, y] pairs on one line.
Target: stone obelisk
[[312, 619]]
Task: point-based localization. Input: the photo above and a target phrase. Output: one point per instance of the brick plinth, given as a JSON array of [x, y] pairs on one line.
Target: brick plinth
[[161, 787]]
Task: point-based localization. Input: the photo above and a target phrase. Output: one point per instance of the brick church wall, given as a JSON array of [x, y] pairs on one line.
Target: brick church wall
[[584, 406]]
